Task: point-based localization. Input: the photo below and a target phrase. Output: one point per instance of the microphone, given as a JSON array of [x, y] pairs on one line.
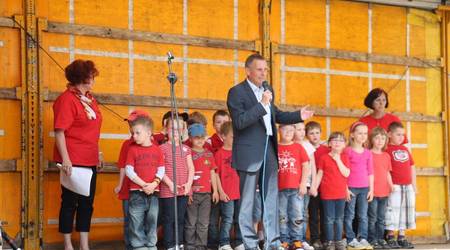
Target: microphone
[[265, 85], [170, 57]]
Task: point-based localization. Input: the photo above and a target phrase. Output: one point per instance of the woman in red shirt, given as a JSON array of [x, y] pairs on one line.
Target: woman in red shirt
[[77, 121], [377, 100]]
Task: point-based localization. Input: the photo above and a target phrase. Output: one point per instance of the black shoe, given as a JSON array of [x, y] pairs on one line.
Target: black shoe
[[392, 243], [403, 243], [383, 244]]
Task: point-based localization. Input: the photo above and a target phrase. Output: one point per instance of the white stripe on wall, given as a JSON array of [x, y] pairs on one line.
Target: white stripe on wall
[[235, 37], [369, 47], [130, 49], [71, 37], [185, 50], [1, 43], [282, 56], [327, 61], [2, 132]]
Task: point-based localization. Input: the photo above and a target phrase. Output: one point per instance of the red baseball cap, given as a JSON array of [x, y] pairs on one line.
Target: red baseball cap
[[136, 113]]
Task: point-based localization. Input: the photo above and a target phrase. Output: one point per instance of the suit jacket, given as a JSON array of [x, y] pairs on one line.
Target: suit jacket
[[249, 129]]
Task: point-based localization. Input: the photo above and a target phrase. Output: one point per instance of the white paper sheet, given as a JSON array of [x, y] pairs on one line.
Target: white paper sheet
[[79, 181]]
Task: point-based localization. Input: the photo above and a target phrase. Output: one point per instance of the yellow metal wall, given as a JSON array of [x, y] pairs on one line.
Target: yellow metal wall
[[139, 68]]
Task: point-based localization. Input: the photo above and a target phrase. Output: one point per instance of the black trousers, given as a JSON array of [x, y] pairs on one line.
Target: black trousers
[[73, 203], [316, 218]]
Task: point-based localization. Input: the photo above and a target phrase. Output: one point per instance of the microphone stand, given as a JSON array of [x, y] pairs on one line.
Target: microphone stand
[[172, 78]]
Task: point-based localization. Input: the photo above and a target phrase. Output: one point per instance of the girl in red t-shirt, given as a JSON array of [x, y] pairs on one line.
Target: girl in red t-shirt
[[332, 176], [382, 187]]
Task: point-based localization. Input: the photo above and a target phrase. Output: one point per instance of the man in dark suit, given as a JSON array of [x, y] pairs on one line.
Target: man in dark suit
[[255, 149]]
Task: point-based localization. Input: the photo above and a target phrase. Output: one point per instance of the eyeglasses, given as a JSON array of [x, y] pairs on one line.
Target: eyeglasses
[[337, 140]]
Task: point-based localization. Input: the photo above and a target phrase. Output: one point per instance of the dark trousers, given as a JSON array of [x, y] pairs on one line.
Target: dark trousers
[[197, 221], [213, 228], [168, 217], [316, 216], [73, 203]]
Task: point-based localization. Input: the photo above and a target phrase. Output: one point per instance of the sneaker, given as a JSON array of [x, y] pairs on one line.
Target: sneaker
[[383, 244], [306, 246], [225, 247], [285, 245], [330, 245], [296, 245], [340, 245], [365, 244], [392, 243], [355, 245], [375, 244], [403, 243], [240, 247], [317, 244]]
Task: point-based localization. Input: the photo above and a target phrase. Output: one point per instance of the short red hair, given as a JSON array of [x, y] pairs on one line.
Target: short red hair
[[79, 71]]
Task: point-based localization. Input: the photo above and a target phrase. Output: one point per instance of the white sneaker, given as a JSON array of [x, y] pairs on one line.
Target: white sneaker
[[355, 245], [240, 247], [365, 244], [226, 247], [306, 246]]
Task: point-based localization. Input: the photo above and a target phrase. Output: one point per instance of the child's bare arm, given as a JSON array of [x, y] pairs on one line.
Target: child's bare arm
[[389, 179], [215, 194], [414, 179], [342, 168], [121, 177], [306, 169]]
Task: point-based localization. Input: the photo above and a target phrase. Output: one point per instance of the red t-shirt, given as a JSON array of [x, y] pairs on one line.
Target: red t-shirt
[[383, 122], [204, 162], [124, 190], [216, 142], [402, 163], [290, 160], [333, 185], [228, 175], [381, 167], [81, 134], [320, 151], [145, 161], [181, 168]]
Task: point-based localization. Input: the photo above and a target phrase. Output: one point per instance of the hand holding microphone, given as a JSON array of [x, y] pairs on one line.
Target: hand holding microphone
[[267, 95]]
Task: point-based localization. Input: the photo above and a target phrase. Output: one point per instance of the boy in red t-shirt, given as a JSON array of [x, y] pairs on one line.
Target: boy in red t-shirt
[[333, 170], [145, 169], [228, 186], [122, 188], [401, 212], [313, 133], [199, 205], [293, 173]]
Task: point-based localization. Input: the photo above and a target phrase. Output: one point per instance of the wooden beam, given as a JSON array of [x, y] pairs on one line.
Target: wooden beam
[[9, 93], [108, 167], [431, 171], [135, 35], [8, 165], [355, 56], [6, 22], [206, 104], [421, 4]]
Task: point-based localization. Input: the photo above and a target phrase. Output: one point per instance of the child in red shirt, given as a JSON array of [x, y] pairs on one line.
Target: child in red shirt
[[313, 132], [185, 174], [145, 169], [333, 170], [293, 173], [228, 186], [401, 212], [382, 187], [199, 205], [122, 188]]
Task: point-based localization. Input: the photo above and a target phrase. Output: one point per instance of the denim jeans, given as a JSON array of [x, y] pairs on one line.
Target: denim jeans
[[143, 212], [291, 209], [360, 200], [126, 224], [213, 228], [334, 218], [229, 213], [305, 216], [316, 218], [377, 213], [168, 216]]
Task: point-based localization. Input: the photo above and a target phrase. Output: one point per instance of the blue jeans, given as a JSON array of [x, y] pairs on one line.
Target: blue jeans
[[143, 212], [305, 216], [168, 216], [229, 213], [377, 213], [334, 217], [360, 200], [213, 228], [292, 218], [126, 224]]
